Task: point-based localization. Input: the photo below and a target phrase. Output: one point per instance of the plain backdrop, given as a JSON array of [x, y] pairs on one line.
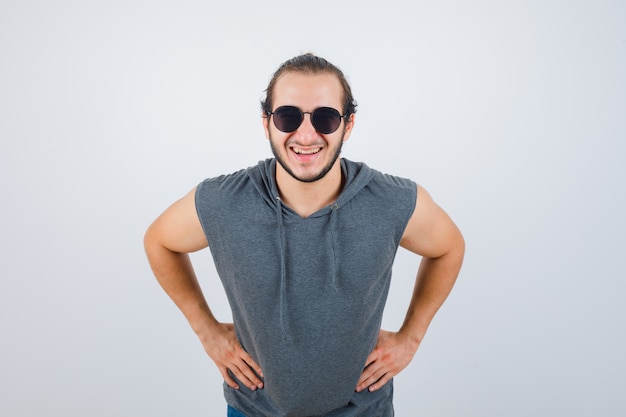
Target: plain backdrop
[[511, 113]]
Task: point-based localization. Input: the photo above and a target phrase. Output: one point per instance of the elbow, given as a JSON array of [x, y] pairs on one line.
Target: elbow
[[151, 242]]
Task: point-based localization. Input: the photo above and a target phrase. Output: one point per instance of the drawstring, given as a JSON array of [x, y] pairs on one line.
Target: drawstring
[[282, 304], [334, 245]]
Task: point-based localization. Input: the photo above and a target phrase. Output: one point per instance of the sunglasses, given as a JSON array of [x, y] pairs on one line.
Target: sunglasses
[[289, 118]]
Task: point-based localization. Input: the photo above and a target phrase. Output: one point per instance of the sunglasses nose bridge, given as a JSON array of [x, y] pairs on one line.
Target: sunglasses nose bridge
[[306, 124]]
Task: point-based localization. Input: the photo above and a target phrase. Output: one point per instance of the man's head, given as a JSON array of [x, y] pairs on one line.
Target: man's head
[[307, 115]]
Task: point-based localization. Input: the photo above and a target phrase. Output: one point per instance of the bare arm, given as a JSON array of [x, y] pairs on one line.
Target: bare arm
[[431, 234], [168, 241]]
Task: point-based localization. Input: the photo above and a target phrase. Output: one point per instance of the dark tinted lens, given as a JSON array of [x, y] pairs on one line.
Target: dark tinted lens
[[287, 118], [326, 120]]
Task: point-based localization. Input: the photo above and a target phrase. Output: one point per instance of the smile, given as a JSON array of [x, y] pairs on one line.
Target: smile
[[306, 151]]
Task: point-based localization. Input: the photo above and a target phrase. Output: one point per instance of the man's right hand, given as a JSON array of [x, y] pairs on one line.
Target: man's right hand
[[231, 359]]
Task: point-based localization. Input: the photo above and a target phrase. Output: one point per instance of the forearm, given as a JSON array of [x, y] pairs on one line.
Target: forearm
[[435, 279], [176, 276]]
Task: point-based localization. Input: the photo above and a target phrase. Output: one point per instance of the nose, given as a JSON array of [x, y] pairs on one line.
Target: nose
[[306, 129]]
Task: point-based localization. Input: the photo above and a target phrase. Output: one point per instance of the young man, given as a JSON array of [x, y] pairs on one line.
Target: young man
[[304, 245]]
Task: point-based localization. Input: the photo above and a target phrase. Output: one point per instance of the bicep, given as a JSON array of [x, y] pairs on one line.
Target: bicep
[[178, 228], [430, 232]]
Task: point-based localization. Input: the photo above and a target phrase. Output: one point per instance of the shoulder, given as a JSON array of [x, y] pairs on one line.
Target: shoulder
[[395, 189], [178, 227], [370, 177], [388, 198], [245, 193], [393, 181], [361, 169], [430, 231], [222, 181], [251, 178]]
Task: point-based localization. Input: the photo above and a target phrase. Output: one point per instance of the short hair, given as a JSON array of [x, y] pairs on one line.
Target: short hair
[[311, 64]]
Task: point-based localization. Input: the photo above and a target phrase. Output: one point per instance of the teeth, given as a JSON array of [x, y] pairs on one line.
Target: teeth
[[306, 151]]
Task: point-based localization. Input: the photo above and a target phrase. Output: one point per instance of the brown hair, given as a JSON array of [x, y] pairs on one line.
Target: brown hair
[[309, 63]]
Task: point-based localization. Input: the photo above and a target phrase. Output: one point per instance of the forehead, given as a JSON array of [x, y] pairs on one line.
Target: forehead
[[308, 91]]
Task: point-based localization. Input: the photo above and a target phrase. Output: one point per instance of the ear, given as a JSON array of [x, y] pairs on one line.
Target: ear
[[347, 130], [266, 124]]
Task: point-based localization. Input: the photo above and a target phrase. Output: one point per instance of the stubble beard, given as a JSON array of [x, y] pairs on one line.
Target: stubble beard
[[313, 178]]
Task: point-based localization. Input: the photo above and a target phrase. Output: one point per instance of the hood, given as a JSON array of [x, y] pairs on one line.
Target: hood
[[263, 175]]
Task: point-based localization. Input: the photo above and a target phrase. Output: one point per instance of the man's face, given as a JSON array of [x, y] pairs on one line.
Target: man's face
[[306, 154]]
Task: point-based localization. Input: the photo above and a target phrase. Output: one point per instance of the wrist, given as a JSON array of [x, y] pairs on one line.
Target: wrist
[[412, 337], [203, 323]]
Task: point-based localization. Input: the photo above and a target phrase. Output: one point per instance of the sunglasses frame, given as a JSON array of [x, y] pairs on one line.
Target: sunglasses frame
[[312, 115]]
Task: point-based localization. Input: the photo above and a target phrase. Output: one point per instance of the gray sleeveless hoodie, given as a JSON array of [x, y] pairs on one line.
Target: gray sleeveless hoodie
[[307, 294]]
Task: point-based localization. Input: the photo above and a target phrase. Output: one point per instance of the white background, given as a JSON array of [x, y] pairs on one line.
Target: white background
[[512, 114]]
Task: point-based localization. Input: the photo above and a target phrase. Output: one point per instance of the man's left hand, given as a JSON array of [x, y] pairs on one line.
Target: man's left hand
[[393, 353]]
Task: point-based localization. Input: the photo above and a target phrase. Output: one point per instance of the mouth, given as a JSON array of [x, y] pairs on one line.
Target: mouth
[[302, 151]]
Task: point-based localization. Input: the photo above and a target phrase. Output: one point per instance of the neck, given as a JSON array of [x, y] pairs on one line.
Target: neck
[[305, 198]]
